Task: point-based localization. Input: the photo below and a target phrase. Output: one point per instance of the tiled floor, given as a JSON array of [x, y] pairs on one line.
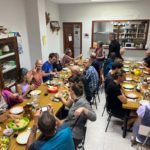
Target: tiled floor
[[96, 138]]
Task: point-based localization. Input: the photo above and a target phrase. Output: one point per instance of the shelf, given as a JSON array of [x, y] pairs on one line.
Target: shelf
[[9, 68], [7, 55], [101, 32]]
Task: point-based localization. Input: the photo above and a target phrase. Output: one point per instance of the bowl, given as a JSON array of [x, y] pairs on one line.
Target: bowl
[[53, 89]]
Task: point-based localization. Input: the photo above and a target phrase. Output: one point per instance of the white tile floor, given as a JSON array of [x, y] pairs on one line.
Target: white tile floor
[[96, 138]]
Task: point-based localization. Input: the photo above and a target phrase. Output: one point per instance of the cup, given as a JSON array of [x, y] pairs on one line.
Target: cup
[[35, 99]]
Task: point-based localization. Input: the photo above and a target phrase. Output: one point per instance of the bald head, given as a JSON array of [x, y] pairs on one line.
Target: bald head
[[38, 63], [75, 70]]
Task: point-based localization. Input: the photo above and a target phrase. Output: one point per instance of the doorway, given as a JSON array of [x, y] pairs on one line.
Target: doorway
[[72, 36]]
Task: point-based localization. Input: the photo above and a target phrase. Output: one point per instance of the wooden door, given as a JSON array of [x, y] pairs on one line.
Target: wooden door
[[69, 35]]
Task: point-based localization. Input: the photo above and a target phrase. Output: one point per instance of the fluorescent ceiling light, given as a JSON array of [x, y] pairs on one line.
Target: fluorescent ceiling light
[[111, 0]]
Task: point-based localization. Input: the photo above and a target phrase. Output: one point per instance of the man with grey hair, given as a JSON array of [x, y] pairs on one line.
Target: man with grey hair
[[114, 46], [53, 137]]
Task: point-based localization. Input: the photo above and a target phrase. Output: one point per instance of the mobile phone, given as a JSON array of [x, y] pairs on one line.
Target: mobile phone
[[45, 108]]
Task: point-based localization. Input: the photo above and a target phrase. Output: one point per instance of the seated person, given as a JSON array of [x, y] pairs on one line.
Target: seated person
[[91, 80], [115, 68], [147, 53], [35, 75], [23, 87], [147, 63], [57, 65], [108, 63], [115, 97], [143, 119], [8, 99], [68, 58], [47, 67], [53, 137], [80, 111]]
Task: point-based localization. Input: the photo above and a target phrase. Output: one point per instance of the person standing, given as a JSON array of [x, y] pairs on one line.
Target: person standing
[[114, 46]]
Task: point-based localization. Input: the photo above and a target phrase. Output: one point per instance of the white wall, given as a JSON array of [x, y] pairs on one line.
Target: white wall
[[12, 16], [53, 38], [86, 13]]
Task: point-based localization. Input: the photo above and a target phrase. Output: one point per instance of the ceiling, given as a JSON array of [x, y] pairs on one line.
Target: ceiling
[[88, 1]]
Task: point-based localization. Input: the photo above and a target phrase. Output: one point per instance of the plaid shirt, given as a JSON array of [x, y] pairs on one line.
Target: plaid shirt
[[92, 78]]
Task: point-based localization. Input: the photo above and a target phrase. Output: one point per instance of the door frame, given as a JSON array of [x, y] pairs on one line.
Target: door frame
[[72, 23]]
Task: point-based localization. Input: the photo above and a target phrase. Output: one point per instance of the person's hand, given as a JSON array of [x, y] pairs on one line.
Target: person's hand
[[37, 115], [79, 111]]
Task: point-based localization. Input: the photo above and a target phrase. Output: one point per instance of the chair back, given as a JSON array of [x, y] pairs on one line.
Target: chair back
[[144, 130]]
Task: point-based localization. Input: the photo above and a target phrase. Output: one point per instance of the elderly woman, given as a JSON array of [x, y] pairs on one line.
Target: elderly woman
[[80, 111]]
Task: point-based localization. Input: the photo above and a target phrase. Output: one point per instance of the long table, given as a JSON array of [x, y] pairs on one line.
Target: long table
[[43, 101], [132, 105]]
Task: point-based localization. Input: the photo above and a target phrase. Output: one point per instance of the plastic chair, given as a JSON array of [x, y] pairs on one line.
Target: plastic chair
[[145, 131]]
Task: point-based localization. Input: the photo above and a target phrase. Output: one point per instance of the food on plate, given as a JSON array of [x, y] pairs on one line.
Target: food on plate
[[8, 132], [4, 141], [126, 69], [127, 62], [128, 86], [35, 92], [19, 124], [131, 95], [144, 102], [22, 138], [129, 79], [136, 72], [16, 110]]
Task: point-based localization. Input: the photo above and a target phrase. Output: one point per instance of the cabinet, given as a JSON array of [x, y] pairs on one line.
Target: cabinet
[[9, 62], [131, 34]]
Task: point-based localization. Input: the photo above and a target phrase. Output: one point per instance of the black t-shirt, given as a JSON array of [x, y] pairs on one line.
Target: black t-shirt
[[108, 79], [114, 47], [57, 66], [113, 91], [97, 65]]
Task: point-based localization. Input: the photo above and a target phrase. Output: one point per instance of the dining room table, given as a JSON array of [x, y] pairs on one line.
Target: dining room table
[[44, 98], [134, 88]]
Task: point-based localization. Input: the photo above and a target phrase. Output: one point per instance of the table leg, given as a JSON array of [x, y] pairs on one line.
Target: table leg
[[125, 124]]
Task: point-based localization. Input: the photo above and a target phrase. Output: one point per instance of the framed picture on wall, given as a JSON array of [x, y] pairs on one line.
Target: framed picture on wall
[[54, 25]]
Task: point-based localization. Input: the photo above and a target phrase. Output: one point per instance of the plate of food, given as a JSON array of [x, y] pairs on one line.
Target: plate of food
[[126, 69], [145, 72], [141, 67], [131, 95], [128, 86], [127, 62], [129, 79], [22, 138], [126, 66], [16, 110], [35, 92], [19, 124], [144, 102], [4, 142]]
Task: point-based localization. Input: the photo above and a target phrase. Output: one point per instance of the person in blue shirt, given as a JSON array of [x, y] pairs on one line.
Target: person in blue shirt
[[52, 137], [48, 67]]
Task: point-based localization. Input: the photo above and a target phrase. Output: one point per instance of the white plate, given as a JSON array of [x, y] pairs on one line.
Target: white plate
[[129, 79], [131, 96], [22, 138], [126, 66], [127, 62], [17, 110], [144, 102], [35, 92], [145, 72], [126, 69]]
